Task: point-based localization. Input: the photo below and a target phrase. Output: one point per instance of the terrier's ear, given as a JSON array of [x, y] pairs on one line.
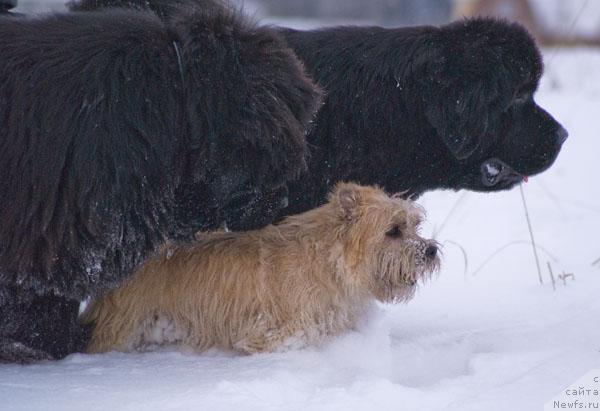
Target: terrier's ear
[[348, 198]]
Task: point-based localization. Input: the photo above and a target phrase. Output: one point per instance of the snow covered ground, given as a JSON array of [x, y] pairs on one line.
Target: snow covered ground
[[485, 336]]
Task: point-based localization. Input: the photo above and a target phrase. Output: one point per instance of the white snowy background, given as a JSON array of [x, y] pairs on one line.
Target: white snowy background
[[484, 335]]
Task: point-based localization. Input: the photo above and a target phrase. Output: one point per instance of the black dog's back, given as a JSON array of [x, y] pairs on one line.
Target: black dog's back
[[121, 128], [84, 96]]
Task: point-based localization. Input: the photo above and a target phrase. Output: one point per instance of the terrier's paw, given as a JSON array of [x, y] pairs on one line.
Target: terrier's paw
[[267, 341]]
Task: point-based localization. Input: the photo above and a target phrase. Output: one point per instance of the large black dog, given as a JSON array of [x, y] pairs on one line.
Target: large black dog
[[414, 109], [119, 131]]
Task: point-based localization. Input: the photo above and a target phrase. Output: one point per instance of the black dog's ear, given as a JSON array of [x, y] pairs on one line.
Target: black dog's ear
[[468, 81], [457, 104]]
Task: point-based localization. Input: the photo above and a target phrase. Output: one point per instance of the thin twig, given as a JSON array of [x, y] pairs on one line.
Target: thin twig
[[505, 246], [596, 262], [576, 19], [437, 231], [537, 260], [568, 32], [564, 277], [464, 253], [551, 276]]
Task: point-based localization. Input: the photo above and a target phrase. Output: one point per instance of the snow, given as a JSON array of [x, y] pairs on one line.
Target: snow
[[485, 336], [559, 15]]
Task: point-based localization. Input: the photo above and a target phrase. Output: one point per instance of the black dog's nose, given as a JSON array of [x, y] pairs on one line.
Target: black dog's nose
[[431, 252], [561, 135]]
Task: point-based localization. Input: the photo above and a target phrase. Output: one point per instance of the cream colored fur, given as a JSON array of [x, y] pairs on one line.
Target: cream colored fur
[[311, 276]]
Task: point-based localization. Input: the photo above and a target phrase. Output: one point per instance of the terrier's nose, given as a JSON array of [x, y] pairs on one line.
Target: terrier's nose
[[430, 252]]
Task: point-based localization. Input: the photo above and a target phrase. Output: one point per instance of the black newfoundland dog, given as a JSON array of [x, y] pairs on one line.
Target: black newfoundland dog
[[414, 109], [119, 131]]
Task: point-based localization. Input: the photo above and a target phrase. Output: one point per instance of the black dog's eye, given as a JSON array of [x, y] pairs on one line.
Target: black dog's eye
[[394, 232]]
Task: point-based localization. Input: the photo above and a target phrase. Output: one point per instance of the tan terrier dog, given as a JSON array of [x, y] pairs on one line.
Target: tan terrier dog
[[312, 275]]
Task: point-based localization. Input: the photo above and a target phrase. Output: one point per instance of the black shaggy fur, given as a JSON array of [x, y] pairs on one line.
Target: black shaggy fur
[[119, 131], [415, 109]]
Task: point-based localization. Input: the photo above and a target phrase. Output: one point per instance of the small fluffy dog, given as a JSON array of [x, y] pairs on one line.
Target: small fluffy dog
[[309, 277]]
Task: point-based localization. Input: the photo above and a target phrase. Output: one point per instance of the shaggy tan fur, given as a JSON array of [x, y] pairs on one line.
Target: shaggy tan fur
[[308, 277]]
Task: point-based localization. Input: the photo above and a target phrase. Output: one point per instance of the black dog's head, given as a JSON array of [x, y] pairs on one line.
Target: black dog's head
[[478, 96]]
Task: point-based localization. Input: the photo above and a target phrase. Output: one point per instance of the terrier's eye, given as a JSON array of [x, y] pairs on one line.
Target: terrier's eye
[[394, 232]]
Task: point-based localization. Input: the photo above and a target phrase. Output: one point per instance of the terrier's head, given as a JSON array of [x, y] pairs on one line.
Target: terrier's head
[[382, 248]]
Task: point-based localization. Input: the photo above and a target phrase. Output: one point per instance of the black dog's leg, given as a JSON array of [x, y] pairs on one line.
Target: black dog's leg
[[16, 352], [34, 328]]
